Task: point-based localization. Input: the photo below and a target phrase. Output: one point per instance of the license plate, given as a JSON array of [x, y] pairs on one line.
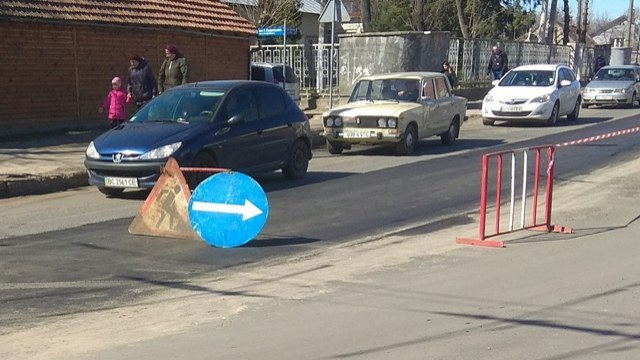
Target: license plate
[[512, 108], [351, 134], [604, 97], [121, 182]]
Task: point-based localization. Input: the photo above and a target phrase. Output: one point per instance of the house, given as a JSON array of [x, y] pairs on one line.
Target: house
[[615, 33], [63, 53]]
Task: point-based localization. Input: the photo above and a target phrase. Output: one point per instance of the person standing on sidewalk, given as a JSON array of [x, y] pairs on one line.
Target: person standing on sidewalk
[[498, 63], [115, 103], [450, 73], [142, 85], [174, 70]]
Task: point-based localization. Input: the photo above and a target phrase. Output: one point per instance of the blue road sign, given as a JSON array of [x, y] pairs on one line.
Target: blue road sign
[[228, 209], [276, 31]]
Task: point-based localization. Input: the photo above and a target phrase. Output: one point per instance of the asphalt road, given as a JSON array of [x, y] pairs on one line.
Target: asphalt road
[[80, 258]]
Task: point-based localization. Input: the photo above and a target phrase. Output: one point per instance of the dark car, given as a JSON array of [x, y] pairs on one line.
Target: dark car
[[247, 126]]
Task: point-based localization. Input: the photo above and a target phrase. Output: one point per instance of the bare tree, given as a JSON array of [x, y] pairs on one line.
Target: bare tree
[[567, 22], [463, 25], [269, 12], [553, 10], [418, 15], [366, 15]]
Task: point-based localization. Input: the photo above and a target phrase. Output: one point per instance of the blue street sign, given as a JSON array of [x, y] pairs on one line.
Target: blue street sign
[[276, 31], [228, 209]]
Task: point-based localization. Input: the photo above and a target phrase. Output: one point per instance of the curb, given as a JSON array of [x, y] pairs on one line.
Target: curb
[[43, 185]]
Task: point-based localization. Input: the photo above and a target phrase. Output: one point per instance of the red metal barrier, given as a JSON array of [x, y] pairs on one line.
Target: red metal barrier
[[545, 225]]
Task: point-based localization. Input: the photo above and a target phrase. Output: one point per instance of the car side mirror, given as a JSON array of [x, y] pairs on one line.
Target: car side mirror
[[235, 120], [564, 83], [425, 99], [495, 82]]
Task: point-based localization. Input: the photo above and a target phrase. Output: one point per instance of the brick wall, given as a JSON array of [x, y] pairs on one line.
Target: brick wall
[[58, 75]]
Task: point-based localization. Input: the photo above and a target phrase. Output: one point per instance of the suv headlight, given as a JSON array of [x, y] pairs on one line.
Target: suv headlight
[[488, 98], [541, 99], [161, 152], [92, 152]]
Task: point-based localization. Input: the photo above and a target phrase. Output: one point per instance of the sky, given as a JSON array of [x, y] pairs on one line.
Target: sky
[[609, 8]]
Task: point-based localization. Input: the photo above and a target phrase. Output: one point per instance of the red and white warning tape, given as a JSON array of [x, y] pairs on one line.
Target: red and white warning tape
[[599, 137]]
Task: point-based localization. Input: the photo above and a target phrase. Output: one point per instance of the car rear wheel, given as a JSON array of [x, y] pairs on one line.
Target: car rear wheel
[[110, 191], [203, 160], [553, 119], [450, 136], [488, 122], [298, 161], [575, 113], [408, 143], [335, 148], [585, 106]]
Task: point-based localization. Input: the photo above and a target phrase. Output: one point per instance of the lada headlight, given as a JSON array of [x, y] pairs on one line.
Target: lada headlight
[[337, 121], [392, 123], [329, 122], [382, 122], [541, 99], [161, 152], [92, 152]]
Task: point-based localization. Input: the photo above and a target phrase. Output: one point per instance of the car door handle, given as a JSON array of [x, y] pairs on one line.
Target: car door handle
[[260, 131]]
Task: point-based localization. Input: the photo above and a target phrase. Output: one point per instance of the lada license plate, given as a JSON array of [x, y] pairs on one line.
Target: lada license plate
[[604, 97], [121, 182], [355, 134], [511, 108]]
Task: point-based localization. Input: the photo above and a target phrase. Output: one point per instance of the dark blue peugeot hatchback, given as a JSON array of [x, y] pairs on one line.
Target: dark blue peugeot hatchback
[[247, 126]]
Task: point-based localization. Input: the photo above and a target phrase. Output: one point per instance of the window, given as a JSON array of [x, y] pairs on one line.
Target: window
[[271, 101], [428, 90], [289, 73], [441, 87], [242, 102], [257, 73]]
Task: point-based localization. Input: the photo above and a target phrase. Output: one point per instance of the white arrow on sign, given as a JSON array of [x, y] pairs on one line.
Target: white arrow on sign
[[248, 210]]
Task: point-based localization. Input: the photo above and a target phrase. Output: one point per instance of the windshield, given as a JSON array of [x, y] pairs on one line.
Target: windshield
[[615, 74], [387, 89], [181, 105], [529, 78]]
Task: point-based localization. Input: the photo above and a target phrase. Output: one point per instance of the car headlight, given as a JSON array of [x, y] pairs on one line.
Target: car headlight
[[92, 152], [337, 121], [589, 90], [392, 123], [161, 152], [382, 122], [541, 99], [329, 122], [621, 90], [488, 98]]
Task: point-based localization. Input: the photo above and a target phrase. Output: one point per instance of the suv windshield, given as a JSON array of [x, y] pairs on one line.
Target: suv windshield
[[386, 89], [181, 105], [529, 78], [615, 74]]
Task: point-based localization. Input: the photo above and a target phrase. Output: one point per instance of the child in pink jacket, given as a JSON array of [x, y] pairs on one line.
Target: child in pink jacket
[[115, 103]]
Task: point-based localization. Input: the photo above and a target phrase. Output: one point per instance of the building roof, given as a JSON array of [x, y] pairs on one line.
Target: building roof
[[308, 6], [202, 15]]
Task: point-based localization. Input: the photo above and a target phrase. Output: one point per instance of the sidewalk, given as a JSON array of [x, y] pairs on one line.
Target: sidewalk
[[55, 161]]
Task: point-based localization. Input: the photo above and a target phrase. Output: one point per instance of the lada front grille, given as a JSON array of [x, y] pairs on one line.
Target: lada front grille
[[367, 121]]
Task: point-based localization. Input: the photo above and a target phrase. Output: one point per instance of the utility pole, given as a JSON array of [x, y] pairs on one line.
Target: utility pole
[[579, 20], [630, 21], [585, 21]]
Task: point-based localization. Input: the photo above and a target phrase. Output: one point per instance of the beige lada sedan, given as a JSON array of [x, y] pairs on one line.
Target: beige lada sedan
[[397, 110]]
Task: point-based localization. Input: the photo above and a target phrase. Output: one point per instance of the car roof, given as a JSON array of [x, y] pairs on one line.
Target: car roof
[[620, 67], [222, 84], [263, 64], [548, 67], [400, 75]]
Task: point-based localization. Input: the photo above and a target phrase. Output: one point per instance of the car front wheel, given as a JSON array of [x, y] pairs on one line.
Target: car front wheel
[[298, 161], [202, 160], [408, 143], [633, 101], [575, 113], [553, 119], [488, 122], [334, 148]]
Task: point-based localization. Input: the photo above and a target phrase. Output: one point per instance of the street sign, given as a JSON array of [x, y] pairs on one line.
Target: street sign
[[228, 209], [276, 31], [327, 15]]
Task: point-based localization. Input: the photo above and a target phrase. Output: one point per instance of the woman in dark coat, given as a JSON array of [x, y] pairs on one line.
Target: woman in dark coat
[[142, 85]]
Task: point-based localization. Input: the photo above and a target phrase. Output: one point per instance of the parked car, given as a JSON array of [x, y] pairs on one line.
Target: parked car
[[538, 93], [613, 85], [247, 126], [397, 110], [279, 74]]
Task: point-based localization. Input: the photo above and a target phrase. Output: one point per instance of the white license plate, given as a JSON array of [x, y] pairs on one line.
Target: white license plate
[[121, 182], [512, 108], [354, 134], [604, 97]]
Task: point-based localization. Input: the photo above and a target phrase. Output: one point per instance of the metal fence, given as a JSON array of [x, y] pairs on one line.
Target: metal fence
[[469, 57]]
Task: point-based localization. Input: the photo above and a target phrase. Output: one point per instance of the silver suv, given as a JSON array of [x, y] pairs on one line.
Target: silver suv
[[277, 73]]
